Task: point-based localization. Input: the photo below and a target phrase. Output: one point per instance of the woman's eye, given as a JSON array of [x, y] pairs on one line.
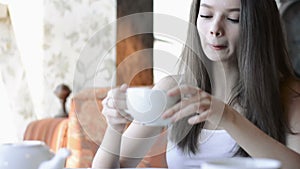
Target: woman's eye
[[205, 16], [234, 20]]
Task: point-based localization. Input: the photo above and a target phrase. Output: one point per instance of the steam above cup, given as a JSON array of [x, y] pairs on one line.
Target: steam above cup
[[147, 105]]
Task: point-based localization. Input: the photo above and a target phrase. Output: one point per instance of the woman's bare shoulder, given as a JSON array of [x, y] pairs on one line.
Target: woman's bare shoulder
[[167, 82], [291, 98], [291, 89]]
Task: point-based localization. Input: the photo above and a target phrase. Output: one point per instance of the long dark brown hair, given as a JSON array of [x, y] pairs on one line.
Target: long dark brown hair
[[263, 63]]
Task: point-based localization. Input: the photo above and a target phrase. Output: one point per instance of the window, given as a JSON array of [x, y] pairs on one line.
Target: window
[[167, 47]]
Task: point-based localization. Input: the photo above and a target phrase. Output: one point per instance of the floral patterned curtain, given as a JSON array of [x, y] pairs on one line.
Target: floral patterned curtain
[[41, 46], [16, 105]]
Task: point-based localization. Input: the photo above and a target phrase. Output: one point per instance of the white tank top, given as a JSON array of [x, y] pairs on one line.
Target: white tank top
[[212, 144]]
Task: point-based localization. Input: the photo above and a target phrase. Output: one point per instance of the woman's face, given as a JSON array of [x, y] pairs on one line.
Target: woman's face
[[218, 26]]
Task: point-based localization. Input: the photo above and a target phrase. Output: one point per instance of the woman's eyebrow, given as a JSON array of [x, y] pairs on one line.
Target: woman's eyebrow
[[230, 9]]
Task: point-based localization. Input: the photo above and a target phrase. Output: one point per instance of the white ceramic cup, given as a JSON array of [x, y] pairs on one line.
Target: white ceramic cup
[[242, 163], [147, 105]]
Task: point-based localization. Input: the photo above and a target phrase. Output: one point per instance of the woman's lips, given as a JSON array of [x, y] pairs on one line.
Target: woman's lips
[[218, 47]]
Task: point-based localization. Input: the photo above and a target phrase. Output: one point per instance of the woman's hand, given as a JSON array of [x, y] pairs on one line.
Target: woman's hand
[[114, 106], [197, 104]]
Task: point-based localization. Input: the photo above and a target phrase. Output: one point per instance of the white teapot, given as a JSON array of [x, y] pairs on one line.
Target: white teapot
[[31, 155]]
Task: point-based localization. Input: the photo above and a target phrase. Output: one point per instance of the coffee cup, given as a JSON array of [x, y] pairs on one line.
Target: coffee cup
[[242, 163], [146, 105]]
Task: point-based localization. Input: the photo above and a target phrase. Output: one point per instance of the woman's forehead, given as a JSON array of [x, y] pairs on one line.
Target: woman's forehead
[[223, 4]]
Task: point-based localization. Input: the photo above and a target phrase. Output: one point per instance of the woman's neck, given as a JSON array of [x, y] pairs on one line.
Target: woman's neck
[[224, 78]]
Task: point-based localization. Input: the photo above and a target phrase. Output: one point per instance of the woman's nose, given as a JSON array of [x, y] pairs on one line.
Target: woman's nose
[[216, 33], [216, 29]]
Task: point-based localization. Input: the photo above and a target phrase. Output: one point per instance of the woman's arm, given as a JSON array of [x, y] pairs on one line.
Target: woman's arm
[[136, 142], [255, 142], [217, 114], [109, 150], [127, 150]]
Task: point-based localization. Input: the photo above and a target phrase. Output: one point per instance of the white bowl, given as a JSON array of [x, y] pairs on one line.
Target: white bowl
[[242, 163]]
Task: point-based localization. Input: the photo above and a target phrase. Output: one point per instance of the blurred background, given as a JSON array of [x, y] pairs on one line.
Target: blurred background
[[40, 44], [58, 59]]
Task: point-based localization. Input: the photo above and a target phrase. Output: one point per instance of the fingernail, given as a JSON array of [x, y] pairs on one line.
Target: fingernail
[[169, 93], [124, 86], [190, 121], [173, 120], [165, 115]]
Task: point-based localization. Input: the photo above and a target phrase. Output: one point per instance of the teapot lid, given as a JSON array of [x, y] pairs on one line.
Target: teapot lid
[[27, 143]]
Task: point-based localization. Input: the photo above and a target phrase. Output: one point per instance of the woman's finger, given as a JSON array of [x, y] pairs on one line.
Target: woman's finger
[[115, 121], [184, 90], [198, 118], [113, 116], [123, 87], [184, 103], [115, 113], [110, 102], [126, 115], [118, 93], [176, 108], [111, 113], [191, 109], [119, 104]]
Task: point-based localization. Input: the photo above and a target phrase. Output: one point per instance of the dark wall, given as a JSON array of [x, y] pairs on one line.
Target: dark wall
[[134, 63]]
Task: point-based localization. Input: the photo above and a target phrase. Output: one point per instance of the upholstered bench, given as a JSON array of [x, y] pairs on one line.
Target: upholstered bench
[[52, 131]]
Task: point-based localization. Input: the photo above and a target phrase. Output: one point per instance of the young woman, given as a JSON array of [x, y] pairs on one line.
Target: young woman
[[237, 86]]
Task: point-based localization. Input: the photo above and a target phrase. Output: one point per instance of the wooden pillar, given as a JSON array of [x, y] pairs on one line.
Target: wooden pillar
[[135, 52]]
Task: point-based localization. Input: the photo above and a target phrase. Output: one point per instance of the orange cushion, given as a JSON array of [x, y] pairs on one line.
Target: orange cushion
[[52, 131]]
